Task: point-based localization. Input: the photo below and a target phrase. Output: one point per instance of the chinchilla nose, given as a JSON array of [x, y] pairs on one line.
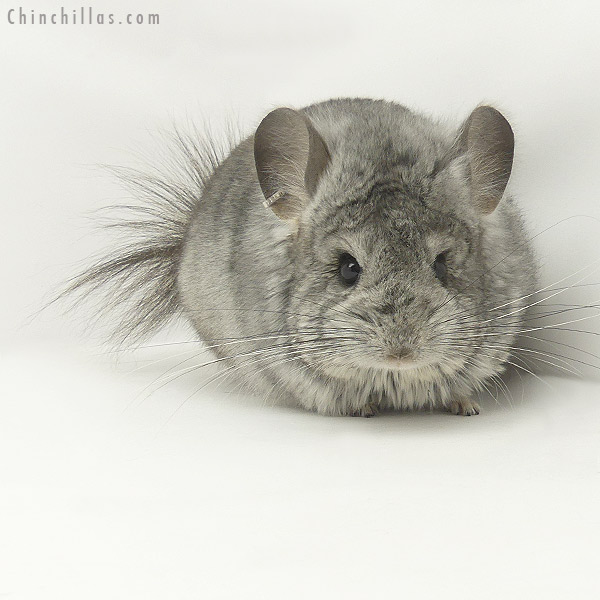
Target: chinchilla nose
[[400, 353], [400, 356]]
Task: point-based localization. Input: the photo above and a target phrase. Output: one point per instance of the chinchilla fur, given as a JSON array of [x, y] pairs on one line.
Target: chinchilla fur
[[250, 250]]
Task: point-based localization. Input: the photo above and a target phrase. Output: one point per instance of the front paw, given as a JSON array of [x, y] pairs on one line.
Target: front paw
[[369, 410], [464, 407]]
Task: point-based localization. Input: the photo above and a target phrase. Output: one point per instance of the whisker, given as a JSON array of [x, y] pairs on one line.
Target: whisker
[[547, 289], [218, 375], [532, 337], [268, 350], [544, 327], [550, 355], [517, 248]]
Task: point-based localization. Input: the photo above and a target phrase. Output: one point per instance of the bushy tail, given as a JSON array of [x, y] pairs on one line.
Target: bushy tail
[[136, 282]]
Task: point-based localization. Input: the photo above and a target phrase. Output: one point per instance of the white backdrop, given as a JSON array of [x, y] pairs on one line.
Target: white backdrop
[[108, 492]]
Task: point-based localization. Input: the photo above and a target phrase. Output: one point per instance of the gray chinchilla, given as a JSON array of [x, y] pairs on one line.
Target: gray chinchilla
[[348, 257]]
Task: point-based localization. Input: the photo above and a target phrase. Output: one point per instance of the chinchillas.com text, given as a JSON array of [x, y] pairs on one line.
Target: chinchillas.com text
[[84, 15]]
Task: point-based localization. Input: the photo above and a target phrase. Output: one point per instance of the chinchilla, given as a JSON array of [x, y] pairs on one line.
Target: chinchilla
[[348, 257]]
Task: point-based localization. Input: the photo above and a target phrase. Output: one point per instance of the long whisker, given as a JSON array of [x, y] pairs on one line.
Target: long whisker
[[549, 288], [544, 327], [550, 355], [218, 375], [532, 337], [291, 347], [517, 248]]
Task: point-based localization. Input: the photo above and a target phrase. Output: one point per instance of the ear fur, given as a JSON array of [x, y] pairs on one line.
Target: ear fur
[[487, 141], [290, 157]]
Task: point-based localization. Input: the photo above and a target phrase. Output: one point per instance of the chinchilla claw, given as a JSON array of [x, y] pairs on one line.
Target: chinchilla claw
[[464, 407]]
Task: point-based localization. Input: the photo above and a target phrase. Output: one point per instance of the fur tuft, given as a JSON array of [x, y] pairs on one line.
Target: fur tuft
[[137, 280]]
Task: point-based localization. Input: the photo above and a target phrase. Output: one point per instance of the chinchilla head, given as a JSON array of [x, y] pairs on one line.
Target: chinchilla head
[[391, 217]]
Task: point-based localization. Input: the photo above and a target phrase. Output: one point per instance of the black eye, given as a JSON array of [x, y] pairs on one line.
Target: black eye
[[349, 269], [439, 267]]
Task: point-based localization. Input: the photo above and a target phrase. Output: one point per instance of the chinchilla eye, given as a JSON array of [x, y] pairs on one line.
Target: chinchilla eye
[[439, 267], [349, 269]]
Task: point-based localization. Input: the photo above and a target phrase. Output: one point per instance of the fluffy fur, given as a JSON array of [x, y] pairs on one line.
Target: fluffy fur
[[267, 296]]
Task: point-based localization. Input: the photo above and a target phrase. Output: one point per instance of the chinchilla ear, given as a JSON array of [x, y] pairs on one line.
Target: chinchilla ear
[[487, 142], [290, 158]]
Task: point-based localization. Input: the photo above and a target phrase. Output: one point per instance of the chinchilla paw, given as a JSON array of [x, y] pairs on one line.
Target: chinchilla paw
[[368, 410], [464, 407]]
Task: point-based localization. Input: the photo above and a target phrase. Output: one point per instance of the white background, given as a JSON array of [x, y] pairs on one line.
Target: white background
[[108, 492]]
